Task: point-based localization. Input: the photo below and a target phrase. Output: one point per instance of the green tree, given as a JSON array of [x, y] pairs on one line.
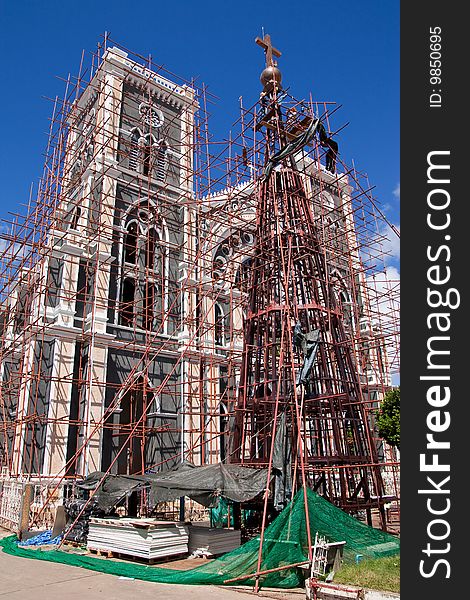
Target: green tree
[[388, 418]]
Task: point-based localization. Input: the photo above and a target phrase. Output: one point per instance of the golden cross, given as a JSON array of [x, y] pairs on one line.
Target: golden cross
[[269, 50]]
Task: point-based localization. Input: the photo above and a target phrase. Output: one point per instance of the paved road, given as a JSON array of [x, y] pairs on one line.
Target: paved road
[[24, 579]]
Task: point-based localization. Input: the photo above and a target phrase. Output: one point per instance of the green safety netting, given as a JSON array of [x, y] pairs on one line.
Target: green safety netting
[[285, 543]]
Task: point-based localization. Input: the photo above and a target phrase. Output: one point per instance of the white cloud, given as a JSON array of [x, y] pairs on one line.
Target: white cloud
[[11, 250], [383, 279], [384, 298], [396, 192], [383, 247], [384, 292]]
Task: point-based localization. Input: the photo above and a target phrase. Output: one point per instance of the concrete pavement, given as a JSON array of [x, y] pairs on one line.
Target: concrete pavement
[[21, 579]]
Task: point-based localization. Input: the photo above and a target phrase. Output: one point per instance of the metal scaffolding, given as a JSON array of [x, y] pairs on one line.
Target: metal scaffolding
[[162, 295]]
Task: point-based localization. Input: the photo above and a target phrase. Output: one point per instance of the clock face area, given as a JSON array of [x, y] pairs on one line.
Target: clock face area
[[151, 115], [148, 120]]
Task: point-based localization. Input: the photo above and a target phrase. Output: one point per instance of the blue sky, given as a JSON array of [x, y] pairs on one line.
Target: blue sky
[[346, 52]]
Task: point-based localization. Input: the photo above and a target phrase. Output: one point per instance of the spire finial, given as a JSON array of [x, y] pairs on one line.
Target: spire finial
[[269, 49], [271, 76]]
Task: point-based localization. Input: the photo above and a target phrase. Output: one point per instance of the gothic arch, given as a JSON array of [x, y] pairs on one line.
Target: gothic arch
[[148, 154], [230, 254], [219, 324], [142, 286], [343, 298], [135, 149]]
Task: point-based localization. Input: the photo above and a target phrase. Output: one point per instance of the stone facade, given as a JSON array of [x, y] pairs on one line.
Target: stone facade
[[135, 304]]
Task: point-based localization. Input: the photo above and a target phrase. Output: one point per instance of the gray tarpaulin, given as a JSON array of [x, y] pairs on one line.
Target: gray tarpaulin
[[206, 484], [203, 484], [282, 464], [293, 146], [112, 488], [308, 343]]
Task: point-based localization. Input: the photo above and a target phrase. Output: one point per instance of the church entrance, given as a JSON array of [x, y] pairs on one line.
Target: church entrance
[[129, 434], [142, 433]]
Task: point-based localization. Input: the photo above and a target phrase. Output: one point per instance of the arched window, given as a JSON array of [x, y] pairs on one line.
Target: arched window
[[219, 266], [143, 269], [219, 325], [161, 161], [134, 152], [23, 308], [149, 305], [232, 259], [346, 308], [152, 242], [128, 302], [76, 218], [74, 213], [147, 154], [130, 243], [242, 278], [343, 300]]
